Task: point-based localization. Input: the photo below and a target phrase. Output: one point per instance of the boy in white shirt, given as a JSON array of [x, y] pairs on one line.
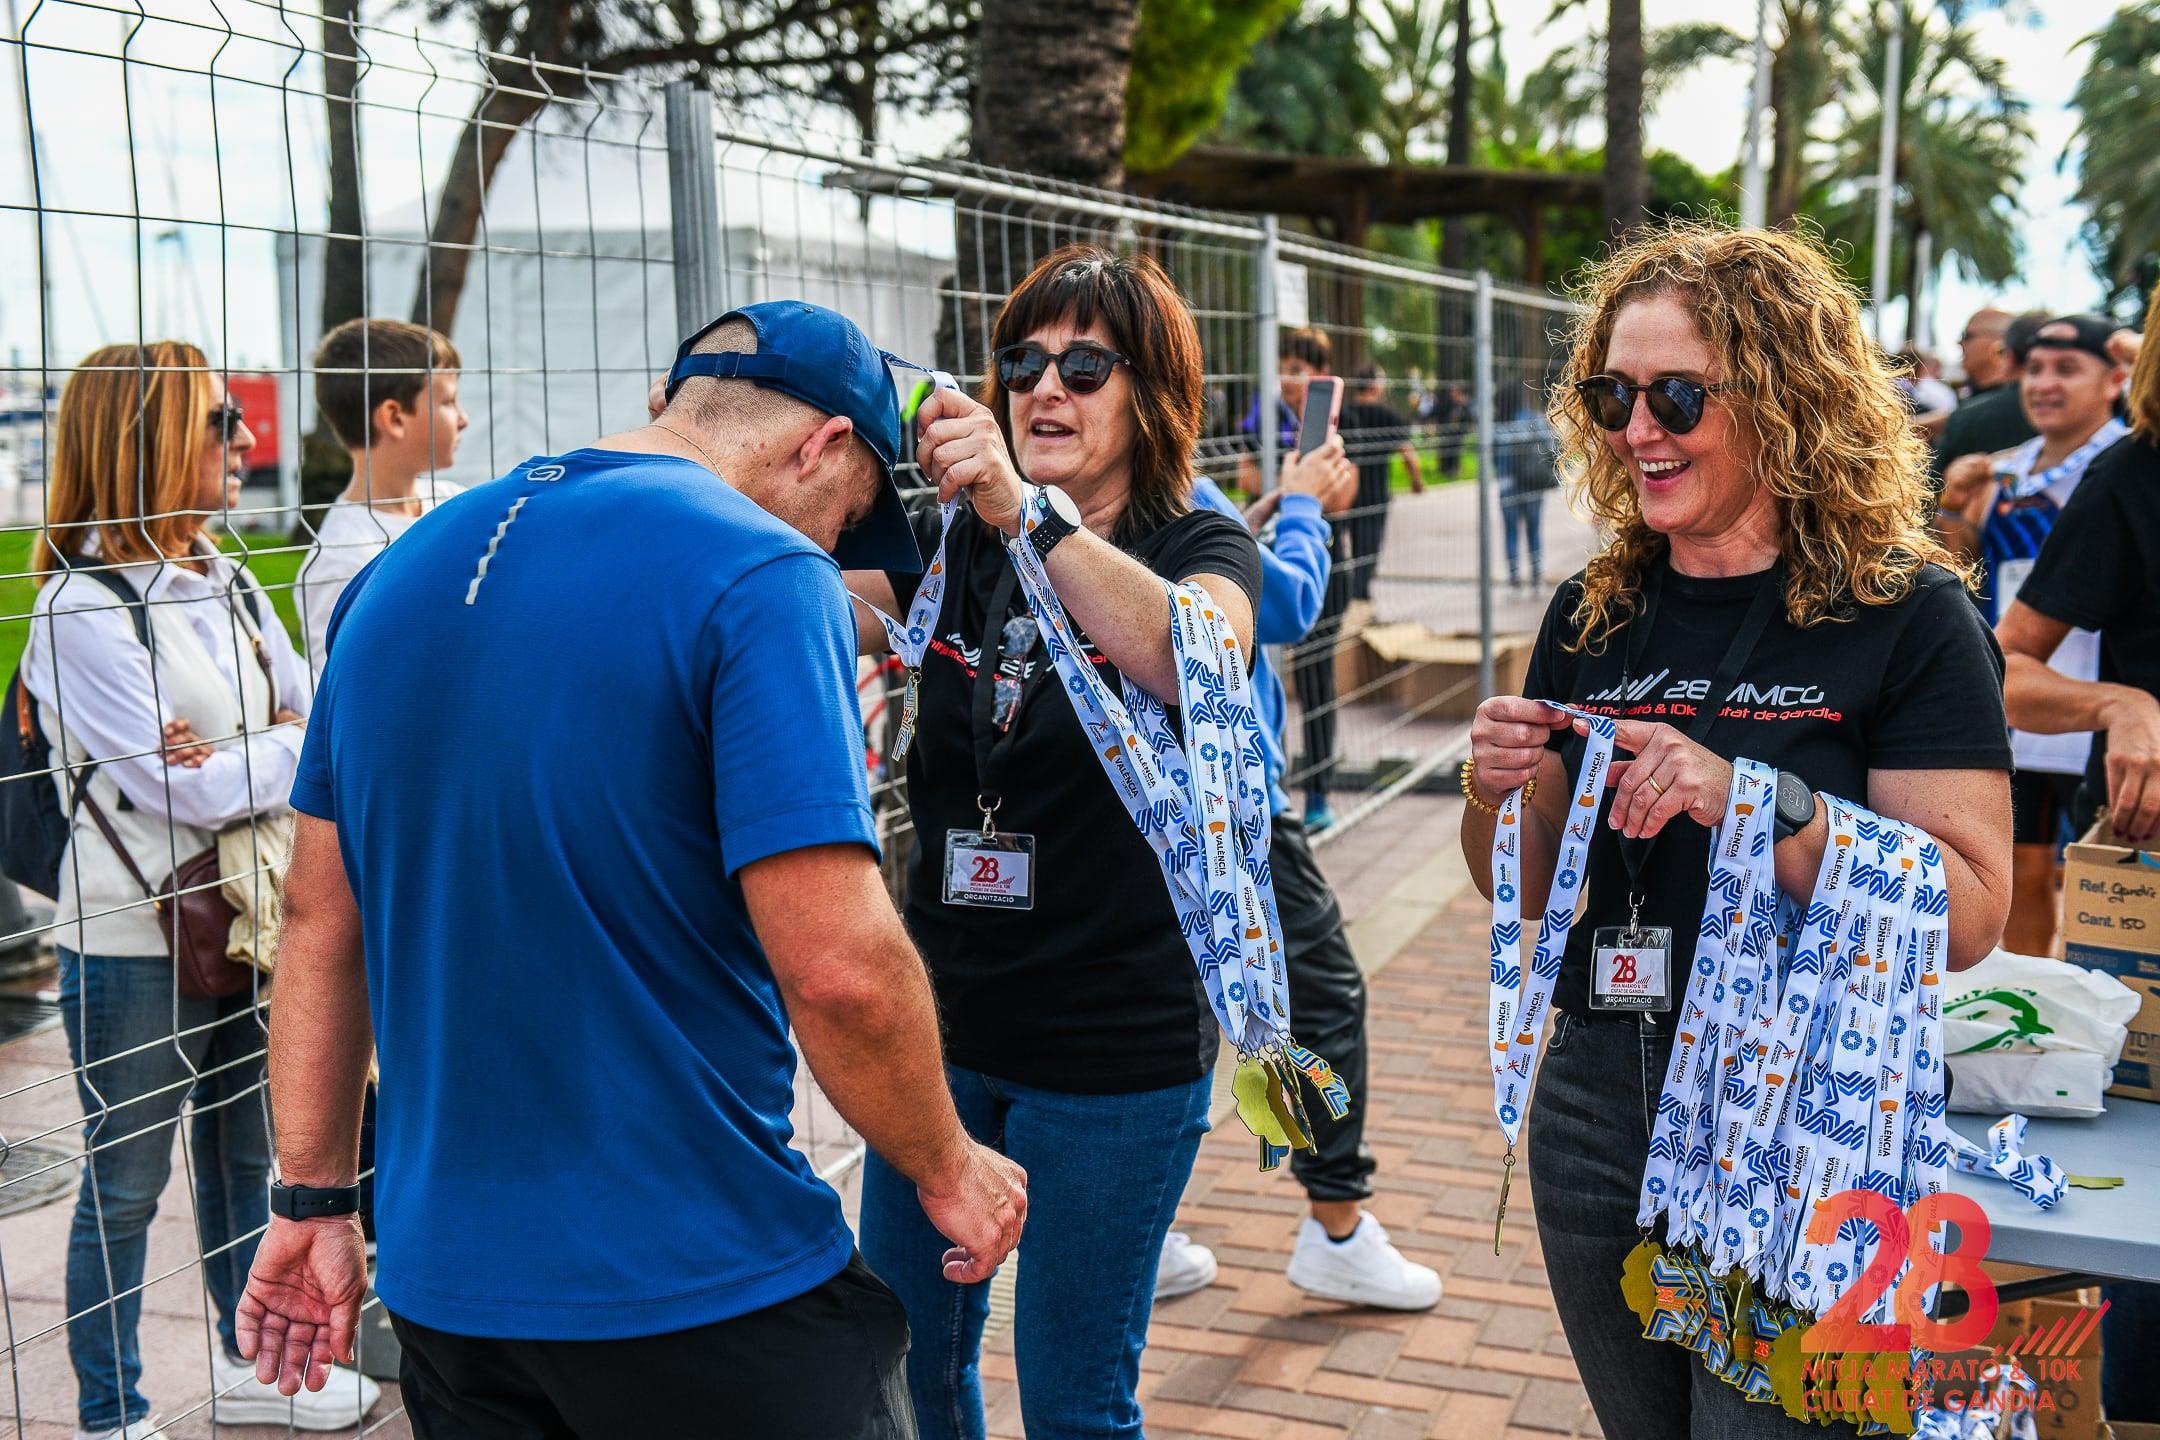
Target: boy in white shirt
[[389, 391]]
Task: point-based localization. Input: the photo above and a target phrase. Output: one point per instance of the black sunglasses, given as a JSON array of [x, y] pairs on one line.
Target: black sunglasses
[[1084, 368], [227, 419], [1675, 403]]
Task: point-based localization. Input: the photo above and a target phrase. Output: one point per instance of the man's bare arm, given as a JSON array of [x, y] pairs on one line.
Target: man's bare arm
[[321, 1036], [859, 999]]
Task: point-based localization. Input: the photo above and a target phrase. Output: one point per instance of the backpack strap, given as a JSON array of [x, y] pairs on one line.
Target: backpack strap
[[122, 590]]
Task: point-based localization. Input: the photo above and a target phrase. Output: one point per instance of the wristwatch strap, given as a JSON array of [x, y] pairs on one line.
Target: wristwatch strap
[[1049, 528], [310, 1202]]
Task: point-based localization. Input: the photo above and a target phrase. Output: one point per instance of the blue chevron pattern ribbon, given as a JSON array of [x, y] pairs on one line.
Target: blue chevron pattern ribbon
[[1735, 963], [1202, 805], [910, 640], [1517, 1002], [2034, 1176]]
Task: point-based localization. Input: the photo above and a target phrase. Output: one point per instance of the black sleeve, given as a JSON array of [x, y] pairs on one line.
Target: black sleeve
[[926, 520], [1941, 702], [2088, 568], [1207, 542], [1550, 662]]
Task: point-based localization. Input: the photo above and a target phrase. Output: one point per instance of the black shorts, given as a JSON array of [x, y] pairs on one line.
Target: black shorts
[[2043, 808], [829, 1364]]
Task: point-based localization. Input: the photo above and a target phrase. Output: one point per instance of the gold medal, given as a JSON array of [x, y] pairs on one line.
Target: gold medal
[[907, 714]]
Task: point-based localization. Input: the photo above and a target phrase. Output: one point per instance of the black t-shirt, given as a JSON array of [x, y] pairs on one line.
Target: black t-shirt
[[2100, 570], [1093, 991], [1372, 434], [1987, 422], [1915, 685]]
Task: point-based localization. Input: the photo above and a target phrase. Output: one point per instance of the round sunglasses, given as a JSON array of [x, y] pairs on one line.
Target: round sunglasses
[[1675, 403], [1083, 368]]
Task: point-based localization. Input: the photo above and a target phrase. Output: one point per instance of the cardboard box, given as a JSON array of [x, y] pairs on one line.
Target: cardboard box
[[1435, 676], [2111, 923], [2064, 1360]]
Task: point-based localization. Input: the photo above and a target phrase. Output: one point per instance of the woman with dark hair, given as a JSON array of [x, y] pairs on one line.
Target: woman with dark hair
[[1078, 1039]]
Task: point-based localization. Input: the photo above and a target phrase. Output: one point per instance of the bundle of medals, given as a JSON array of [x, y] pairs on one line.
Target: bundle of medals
[[1201, 805], [1806, 1063]]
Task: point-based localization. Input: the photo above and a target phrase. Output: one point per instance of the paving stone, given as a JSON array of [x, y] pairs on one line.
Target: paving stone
[[1551, 1405]]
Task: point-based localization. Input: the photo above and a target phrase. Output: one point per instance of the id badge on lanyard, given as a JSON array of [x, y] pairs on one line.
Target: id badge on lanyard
[[1634, 968], [991, 868]]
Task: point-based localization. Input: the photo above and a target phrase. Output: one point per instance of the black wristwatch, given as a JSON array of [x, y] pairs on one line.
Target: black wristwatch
[[1055, 518], [309, 1202], [1795, 806]]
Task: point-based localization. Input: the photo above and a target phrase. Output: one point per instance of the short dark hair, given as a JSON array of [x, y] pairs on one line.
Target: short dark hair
[[362, 363], [1149, 323], [1369, 373], [2017, 336], [1305, 343]]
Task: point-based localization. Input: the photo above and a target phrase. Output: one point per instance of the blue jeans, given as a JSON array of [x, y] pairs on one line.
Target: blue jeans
[[1589, 1134], [1104, 1176], [140, 1051], [1523, 511]]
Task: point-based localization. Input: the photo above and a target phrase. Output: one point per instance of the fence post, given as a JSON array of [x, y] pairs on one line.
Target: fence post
[[1481, 377], [694, 208], [1270, 381]]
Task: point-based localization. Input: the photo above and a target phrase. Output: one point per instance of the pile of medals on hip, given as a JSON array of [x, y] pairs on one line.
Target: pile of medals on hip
[[1806, 1080]]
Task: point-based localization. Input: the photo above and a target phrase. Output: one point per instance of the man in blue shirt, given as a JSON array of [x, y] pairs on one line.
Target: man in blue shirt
[[584, 829], [1342, 1252]]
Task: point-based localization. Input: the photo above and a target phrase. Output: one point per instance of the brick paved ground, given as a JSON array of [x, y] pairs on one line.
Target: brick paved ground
[[1251, 1356]]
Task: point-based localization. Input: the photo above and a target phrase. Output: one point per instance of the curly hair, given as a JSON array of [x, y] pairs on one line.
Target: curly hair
[[1816, 400]]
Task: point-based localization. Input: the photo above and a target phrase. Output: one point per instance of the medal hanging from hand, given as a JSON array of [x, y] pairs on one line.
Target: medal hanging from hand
[[911, 640]]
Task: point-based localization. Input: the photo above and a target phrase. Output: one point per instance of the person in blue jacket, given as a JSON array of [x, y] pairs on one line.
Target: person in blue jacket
[[1342, 1252]]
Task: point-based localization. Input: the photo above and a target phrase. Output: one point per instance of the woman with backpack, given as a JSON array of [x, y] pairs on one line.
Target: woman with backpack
[[172, 700]]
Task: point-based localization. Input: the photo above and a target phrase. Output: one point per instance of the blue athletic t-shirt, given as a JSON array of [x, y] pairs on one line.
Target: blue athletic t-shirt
[[559, 716]]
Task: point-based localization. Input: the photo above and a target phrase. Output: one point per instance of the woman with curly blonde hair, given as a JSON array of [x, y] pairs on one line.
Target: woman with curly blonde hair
[[1768, 588]]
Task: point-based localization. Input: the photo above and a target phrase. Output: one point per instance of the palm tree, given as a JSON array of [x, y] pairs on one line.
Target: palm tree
[[1411, 37], [1963, 141], [2118, 105], [1806, 69]]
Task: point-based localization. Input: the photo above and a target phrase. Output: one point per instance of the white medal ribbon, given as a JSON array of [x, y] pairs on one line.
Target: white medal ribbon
[[1738, 939], [2035, 1177], [2023, 483], [1517, 1002], [1202, 806]]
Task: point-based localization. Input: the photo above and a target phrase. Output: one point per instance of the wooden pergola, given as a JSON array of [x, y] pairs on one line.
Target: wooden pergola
[[1354, 194]]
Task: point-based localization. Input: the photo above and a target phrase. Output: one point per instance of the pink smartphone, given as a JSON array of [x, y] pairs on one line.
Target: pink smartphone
[[1323, 403]]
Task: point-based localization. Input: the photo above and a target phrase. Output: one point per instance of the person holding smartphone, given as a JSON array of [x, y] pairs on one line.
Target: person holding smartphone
[[1303, 357]]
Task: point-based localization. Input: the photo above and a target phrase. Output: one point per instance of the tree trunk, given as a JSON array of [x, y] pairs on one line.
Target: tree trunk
[[1624, 176], [1454, 233], [1050, 88], [1795, 83], [496, 119], [1049, 100], [325, 467]]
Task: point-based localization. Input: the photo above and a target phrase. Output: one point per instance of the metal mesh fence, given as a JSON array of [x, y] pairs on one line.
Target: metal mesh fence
[[223, 177]]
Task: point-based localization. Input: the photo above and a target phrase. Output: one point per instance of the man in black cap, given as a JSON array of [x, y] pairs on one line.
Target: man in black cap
[[584, 831]]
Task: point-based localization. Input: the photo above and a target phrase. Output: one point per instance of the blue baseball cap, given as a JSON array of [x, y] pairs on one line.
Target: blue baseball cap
[[821, 358]]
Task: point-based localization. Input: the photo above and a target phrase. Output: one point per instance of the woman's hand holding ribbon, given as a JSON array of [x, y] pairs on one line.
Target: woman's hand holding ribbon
[[1670, 775], [1507, 742], [960, 447]]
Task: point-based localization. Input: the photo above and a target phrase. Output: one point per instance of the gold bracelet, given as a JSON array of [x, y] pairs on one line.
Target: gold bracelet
[[1469, 789]]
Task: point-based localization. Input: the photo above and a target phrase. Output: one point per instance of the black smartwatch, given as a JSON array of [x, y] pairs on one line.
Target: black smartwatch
[[308, 1202], [1795, 806], [1055, 518]]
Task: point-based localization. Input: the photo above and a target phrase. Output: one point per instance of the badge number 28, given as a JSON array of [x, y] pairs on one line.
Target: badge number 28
[[1904, 1237]]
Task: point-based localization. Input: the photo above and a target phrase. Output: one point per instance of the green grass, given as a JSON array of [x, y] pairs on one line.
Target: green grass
[[271, 562]]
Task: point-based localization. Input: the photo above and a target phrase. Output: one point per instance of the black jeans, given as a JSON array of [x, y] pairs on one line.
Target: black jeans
[[1313, 671], [1327, 1013], [826, 1365], [1589, 1134]]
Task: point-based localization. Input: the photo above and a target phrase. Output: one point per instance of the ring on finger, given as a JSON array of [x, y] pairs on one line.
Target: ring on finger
[[1652, 782]]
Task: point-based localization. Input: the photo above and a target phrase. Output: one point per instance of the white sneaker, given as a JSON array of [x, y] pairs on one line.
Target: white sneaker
[[241, 1399], [141, 1429], [1184, 1268], [1363, 1270]]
